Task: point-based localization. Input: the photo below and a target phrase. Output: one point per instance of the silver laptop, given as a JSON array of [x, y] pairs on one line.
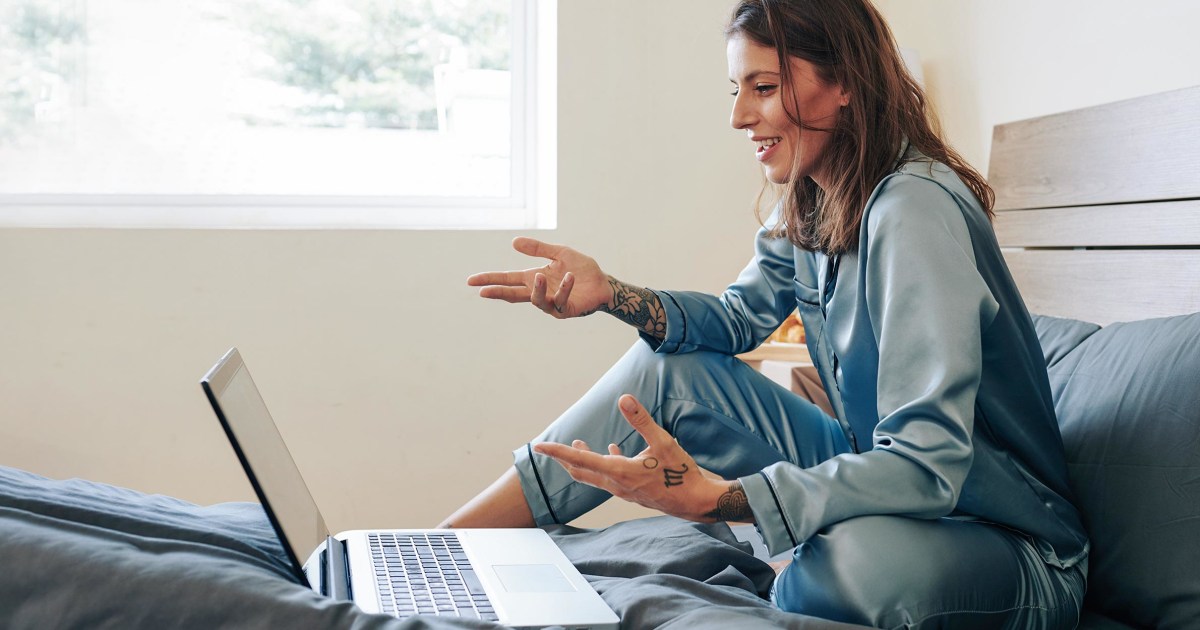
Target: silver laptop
[[517, 577]]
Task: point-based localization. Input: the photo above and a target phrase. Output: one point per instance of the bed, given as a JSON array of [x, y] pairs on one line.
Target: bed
[[1099, 214]]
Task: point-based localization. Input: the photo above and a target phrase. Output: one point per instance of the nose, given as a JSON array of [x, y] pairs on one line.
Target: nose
[[742, 115]]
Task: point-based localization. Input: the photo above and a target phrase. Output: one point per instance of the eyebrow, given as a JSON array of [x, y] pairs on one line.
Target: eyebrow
[[755, 75]]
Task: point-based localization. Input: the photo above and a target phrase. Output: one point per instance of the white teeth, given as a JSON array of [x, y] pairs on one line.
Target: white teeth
[[768, 143]]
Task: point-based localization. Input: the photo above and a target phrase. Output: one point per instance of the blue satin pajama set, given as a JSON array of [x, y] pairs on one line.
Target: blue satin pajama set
[[937, 496]]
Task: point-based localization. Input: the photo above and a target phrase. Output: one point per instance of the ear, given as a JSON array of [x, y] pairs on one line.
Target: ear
[[843, 96]]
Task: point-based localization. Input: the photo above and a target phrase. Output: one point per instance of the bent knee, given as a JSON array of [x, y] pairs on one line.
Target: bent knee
[[857, 569], [833, 578], [891, 570]]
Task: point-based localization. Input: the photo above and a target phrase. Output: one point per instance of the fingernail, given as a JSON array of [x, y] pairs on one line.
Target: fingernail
[[628, 404]]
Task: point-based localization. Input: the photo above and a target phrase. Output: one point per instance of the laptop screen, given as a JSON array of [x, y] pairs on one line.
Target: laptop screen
[[265, 457]]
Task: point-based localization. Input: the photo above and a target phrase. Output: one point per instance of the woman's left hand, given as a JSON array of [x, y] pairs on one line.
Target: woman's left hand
[[662, 477]]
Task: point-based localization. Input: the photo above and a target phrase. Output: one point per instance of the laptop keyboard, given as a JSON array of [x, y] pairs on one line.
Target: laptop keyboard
[[427, 574]]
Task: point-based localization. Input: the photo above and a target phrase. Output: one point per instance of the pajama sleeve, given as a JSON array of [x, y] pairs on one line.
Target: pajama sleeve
[[744, 315]]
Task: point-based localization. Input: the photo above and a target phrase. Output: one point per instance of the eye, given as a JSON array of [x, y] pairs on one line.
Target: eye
[[763, 89]]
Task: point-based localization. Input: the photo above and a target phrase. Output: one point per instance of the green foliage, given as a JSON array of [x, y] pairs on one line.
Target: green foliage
[[35, 56], [363, 62], [372, 61]]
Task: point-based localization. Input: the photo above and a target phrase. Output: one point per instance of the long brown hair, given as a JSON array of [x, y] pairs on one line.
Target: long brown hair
[[851, 46]]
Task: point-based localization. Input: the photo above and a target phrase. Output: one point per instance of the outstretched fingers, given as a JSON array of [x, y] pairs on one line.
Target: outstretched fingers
[[581, 463], [502, 285], [533, 285], [577, 454]]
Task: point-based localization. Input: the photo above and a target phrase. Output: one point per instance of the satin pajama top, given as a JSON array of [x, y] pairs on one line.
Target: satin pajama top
[[930, 361]]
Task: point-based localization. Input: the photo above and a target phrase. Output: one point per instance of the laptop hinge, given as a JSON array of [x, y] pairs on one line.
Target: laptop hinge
[[335, 576]]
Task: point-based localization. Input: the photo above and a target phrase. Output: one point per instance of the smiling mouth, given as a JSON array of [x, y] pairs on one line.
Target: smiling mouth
[[766, 145]]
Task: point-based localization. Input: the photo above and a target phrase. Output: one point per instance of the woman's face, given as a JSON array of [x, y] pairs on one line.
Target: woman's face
[[758, 108]]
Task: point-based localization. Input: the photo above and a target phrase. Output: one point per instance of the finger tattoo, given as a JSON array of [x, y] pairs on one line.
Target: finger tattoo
[[673, 477]]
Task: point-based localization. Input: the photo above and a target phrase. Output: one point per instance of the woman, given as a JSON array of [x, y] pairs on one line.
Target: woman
[[938, 494]]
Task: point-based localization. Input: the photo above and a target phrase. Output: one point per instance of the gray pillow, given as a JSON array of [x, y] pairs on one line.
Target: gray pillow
[[1128, 403], [1059, 335]]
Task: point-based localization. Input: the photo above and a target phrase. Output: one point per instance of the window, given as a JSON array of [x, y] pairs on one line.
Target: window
[[278, 113]]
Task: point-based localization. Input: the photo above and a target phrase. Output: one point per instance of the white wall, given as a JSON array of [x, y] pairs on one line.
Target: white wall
[[400, 392], [990, 62]]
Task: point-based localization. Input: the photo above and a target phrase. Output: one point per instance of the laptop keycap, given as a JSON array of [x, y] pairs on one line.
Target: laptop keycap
[[426, 574]]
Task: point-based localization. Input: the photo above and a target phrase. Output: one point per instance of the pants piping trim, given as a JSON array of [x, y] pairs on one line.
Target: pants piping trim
[[541, 487]]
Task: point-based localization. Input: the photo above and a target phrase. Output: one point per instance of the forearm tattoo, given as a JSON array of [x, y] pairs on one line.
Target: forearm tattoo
[[732, 506], [637, 307]]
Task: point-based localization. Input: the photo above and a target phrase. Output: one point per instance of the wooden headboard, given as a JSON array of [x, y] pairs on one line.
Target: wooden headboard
[[1098, 209]]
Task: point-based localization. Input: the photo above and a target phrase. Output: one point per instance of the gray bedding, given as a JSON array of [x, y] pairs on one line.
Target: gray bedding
[[78, 554]]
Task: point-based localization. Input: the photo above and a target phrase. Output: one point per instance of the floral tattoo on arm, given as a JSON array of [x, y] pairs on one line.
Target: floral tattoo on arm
[[733, 505], [637, 307]]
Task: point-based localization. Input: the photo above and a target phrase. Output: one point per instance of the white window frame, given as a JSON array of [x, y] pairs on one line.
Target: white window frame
[[532, 203]]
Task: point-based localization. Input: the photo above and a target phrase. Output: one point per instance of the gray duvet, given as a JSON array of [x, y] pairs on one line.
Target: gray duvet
[[79, 554]]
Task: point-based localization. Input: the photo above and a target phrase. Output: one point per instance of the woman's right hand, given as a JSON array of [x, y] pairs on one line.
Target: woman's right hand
[[571, 285]]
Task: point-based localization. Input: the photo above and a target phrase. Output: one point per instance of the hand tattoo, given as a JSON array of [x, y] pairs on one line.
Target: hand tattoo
[[733, 505], [673, 477], [637, 307], [650, 462]]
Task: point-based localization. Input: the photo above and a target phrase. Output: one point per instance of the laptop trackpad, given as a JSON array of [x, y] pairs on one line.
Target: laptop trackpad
[[532, 578]]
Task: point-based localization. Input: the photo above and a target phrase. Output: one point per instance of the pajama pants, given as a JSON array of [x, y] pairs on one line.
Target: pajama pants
[[883, 571]]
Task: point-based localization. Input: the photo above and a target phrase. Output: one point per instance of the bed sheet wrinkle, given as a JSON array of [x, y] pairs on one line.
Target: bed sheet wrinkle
[[672, 601], [663, 545], [662, 572], [80, 554], [61, 575], [233, 527]]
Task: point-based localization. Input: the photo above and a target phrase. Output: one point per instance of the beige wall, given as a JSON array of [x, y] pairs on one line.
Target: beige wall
[[989, 62], [399, 391]]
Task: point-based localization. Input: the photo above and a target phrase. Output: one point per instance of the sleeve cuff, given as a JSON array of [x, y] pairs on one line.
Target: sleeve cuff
[[676, 326], [772, 523]]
